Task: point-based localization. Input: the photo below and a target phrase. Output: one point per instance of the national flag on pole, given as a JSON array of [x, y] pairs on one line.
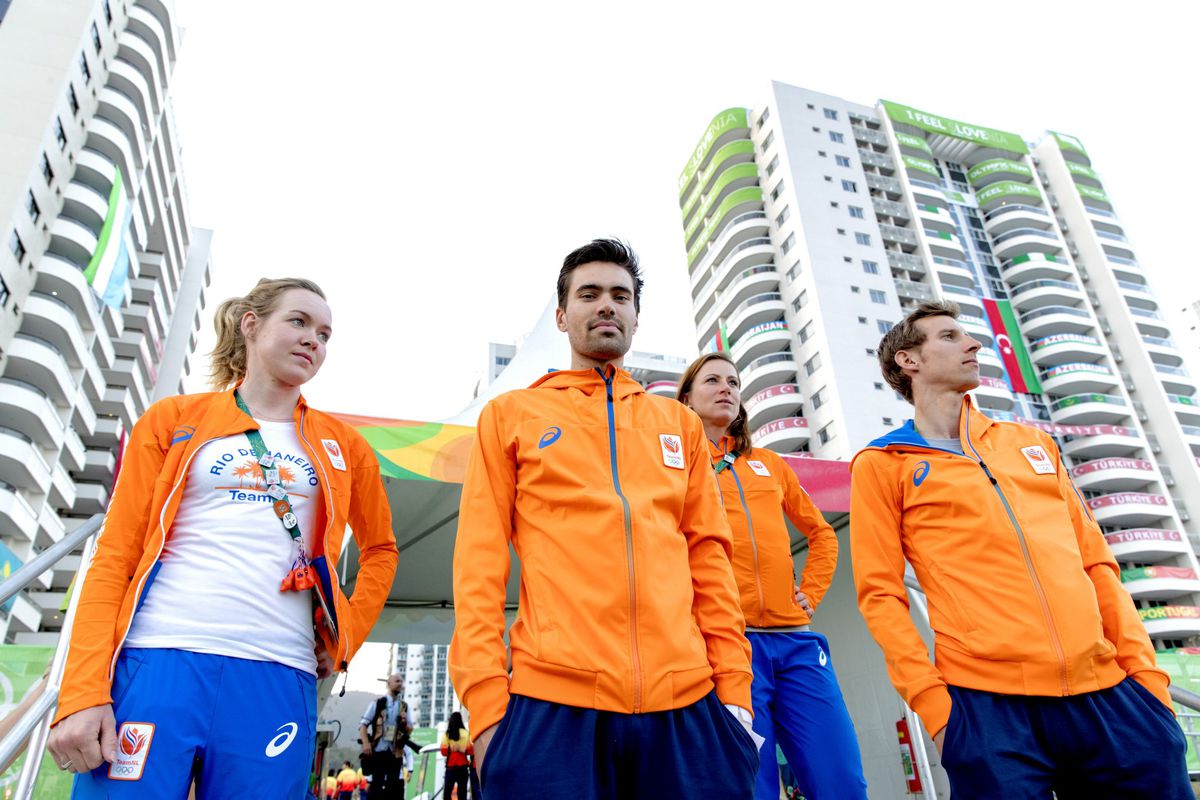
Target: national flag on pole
[[719, 343], [108, 269], [1011, 346]]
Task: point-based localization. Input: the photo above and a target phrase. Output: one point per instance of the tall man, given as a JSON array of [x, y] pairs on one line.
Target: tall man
[[384, 732], [1043, 677], [630, 671]]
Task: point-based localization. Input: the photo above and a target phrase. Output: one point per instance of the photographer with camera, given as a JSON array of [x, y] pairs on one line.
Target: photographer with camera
[[384, 732]]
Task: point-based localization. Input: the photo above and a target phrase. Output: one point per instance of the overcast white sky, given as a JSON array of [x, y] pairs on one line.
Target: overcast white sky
[[431, 163]]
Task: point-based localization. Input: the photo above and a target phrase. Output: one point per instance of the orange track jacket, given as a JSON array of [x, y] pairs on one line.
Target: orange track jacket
[[627, 599], [759, 488], [1024, 595], [147, 496]]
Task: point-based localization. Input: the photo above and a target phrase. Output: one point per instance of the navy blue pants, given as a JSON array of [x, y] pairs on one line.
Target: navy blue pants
[[551, 751], [1120, 743], [798, 704], [242, 728]]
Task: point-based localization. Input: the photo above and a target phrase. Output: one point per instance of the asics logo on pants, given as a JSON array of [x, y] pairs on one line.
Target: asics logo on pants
[[282, 740]]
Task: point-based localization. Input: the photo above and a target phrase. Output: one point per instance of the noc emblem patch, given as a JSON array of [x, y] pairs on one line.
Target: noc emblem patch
[[133, 748], [672, 450], [1039, 459]]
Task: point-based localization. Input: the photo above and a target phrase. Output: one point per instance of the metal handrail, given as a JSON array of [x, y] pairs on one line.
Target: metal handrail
[[32, 729]]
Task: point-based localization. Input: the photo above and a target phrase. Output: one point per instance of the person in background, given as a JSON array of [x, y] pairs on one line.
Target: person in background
[[457, 750], [210, 609], [347, 781], [797, 701], [384, 732], [331, 785]]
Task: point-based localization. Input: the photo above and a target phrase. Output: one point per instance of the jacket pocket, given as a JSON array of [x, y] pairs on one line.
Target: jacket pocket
[[945, 603]]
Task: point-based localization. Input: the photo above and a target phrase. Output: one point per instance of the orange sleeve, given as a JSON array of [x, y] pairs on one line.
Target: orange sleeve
[[822, 541], [715, 603], [370, 519], [1122, 625], [478, 659], [878, 559], [115, 558]]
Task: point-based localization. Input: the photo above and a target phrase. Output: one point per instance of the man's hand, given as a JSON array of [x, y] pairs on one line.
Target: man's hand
[[937, 740], [85, 740], [481, 745], [804, 603]]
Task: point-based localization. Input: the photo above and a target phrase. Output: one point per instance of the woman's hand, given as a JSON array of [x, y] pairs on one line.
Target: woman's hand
[[85, 740], [803, 601]]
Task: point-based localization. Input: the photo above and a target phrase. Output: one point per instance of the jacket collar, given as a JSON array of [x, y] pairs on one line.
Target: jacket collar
[[972, 424], [232, 419], [591, 381], [722, 446]]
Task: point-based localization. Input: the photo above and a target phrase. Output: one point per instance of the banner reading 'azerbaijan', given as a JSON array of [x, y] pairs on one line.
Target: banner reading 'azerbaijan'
[[1017, 366]]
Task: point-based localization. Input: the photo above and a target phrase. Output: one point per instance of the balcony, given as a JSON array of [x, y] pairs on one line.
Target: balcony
[[1115, 244], [658, 388], [769, 370], [1137, 294], [21, 463], [785, 435], [1102, 441], [72, 240], [85, 205], [913, 290], [1035, 266], [732, 154], [1159, 582], [913, 145], [936, 219], [954, 271], [773, 403], [870, 135], [768, 307], [1022, 241], [903, 236], [49, 318], [1006, 192], [1046, 292], [16, 515], [118, 403], [61, 279], [1176, 380], [1129, 509], [1083, 174], [746, 200], [1055, 319], [1092, 408], [1171, 622], [988, 172], [739, 229], [751, 252], [1066, 348], [990, 365], [881, 161], [770, 337], [730, 180], [1113, 474], [993, 393], [969, 301], [945, 245], [978, 328], [893, 209], [1185, 407], [27, 408], [1079, 378], [889, 186], [91, 498], [38, 362], [1146, 544], [747, 284], [62, 488], [1150, 323], [909, 262], [107, 433]]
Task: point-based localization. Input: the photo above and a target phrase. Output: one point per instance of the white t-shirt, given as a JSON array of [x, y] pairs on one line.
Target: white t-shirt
[[217, 590]]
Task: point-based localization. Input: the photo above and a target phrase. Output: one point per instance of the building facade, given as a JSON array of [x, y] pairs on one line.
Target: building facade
[[427, 688], [102, 277], [812, 224]]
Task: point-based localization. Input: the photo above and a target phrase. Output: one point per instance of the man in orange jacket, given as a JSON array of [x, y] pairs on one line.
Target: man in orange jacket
[[1043, 677], [630, 669]]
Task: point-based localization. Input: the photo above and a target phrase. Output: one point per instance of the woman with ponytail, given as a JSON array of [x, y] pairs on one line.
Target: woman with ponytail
[[797, 701], [212, 605]]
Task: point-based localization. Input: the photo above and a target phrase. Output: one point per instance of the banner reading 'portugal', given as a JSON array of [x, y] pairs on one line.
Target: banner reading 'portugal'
[[1011, 347]]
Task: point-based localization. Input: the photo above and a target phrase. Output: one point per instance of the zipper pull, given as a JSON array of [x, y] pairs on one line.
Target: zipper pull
[[988, 472]]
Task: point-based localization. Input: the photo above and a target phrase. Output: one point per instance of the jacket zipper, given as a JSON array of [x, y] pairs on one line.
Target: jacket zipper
[[753, 544], [1037, 584], [612, 455], [162, 542], [343, 640]]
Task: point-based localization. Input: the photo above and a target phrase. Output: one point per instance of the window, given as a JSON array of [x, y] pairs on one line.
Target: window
[[825, 434], [862, 238], [870, 267], [855, 290], [888, 421], [806, 333], [878, 387], [830, 114], [788, 243], [841, 231], [96, 38], [836, 137], [3, 292], [811, 107], [818, 398], [767, 142], [801, 301], [47, 172], [842, 161], [774, 165], [884, 325], [816, 129], [850, 186], [862, 320], [870, 352], [822, 154], [16, 246], [766, 115], [829, 178], [107, 12], [777, 191], [83, 67], [856, 212], [812, 365], [72, 100], [31, 206], [60, 135], [794, 271], [783, 216], [834, 204], [878, 297], [848, 259]]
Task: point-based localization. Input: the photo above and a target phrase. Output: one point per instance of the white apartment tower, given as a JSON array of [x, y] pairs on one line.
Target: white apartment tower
[[427, 688], [102, 277], [812, 224]]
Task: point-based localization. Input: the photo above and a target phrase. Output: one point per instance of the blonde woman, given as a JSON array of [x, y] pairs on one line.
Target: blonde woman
[[212, 605]]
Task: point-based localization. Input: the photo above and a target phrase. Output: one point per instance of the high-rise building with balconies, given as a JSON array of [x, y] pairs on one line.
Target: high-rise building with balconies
[[427, 688], [102, 279], [812, 224]]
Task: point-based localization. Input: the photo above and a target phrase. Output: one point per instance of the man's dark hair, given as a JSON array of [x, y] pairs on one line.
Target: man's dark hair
[[608, 251], [905, 335]]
